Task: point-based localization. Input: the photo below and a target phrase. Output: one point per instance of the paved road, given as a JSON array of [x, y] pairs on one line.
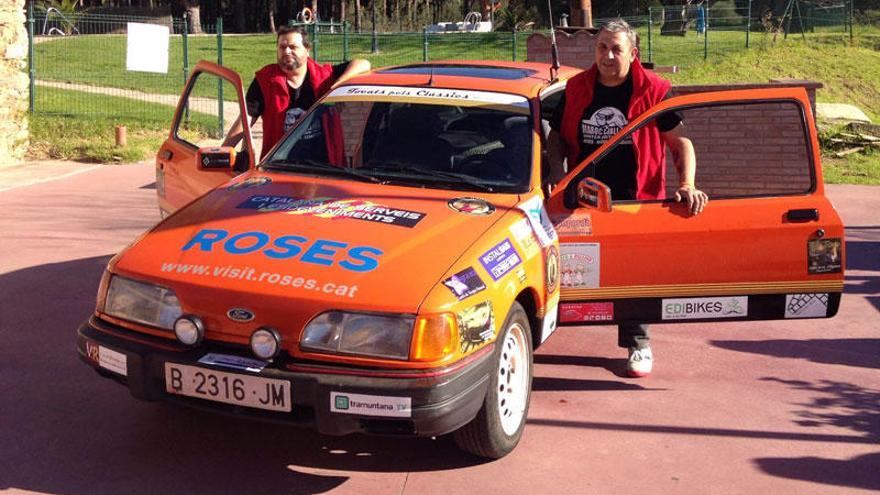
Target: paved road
[[776, 407]]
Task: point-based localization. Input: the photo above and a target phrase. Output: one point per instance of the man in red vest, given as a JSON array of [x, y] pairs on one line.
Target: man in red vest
[[597, 104], [282, 92]]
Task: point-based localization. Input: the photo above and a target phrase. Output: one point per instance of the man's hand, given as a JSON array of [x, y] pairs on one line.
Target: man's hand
[[696, 199]]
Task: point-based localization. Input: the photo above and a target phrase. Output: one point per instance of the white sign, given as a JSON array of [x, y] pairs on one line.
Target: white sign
[[550, 316], [385, 92], [705, 307], [147, 48], [116, 362], [580, 264], [806, 305], [371, 405]]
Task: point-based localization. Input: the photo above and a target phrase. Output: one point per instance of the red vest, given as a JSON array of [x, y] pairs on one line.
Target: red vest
[[276, 98], [648, 90]]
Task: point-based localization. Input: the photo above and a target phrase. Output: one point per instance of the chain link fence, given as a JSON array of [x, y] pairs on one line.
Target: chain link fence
[[78, 61]]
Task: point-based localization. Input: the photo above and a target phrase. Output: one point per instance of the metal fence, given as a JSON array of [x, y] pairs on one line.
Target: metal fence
[[78, 61]]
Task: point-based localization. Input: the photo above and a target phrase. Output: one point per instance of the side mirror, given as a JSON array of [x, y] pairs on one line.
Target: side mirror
[[592, 193], [216, 158]]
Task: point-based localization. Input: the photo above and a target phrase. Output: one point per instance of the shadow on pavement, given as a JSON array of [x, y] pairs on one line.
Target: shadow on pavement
[[67, 430], [863, 353], [841, 405], [862, 256]]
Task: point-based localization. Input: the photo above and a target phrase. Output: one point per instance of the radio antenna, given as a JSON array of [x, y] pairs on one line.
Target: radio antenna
[[554, 48]]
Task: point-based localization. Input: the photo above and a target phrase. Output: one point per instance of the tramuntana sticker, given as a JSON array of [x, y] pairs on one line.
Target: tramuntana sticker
[[371, 405], [539, 220], [476, 325], [705, 308], [465, 283], [580, 264], [806, 305], [823, 256]]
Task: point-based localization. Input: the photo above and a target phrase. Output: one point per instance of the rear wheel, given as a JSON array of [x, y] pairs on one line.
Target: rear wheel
[[497, 428]]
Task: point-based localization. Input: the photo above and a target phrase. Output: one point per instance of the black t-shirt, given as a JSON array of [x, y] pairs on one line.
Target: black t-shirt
[[301, 98], [603, 118]]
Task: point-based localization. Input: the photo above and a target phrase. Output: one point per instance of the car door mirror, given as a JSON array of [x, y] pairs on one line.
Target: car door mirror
[[216, 158], [592, 193]]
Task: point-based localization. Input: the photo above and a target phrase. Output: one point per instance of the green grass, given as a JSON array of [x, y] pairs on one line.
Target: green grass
[[68, 134], [858, 168]]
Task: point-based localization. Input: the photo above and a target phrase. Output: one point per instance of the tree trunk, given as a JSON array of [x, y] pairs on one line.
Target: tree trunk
[[271, 6], [194, 19], [357, 16]]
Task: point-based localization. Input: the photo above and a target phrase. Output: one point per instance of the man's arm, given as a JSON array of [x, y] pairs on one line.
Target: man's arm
[[686, 165], [356, 67]]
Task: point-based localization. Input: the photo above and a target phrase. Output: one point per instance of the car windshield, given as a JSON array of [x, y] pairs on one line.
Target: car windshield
[[434, 138]]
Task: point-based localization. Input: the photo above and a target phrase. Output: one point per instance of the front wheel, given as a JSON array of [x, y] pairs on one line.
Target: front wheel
[[499, 424]]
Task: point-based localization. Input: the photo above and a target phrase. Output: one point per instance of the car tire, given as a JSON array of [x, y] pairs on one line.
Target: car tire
[[499, 424]]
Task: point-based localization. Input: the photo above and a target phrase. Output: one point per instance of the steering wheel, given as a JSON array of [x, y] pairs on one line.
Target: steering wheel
[[484, 167]]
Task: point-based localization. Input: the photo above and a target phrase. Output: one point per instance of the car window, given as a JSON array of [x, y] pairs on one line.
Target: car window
[[433, 144], [210, 111], [742, 150]]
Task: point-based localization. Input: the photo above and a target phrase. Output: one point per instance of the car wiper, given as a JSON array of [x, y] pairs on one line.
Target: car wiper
[[424, 172], [309, 164]]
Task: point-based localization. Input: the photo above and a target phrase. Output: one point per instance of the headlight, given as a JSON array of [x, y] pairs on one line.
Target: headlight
[[142, 303], [337, 332]]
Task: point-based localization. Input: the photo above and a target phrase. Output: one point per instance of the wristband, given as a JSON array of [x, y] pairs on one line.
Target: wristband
[[685, 183]]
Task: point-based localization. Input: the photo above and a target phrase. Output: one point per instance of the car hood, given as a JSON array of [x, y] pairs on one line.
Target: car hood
[[275, 241]]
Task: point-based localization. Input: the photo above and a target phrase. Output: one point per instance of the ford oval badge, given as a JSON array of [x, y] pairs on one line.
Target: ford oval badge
[[240, 315]]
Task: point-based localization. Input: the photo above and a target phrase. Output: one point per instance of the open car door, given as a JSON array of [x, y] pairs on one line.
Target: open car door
[[193, 160], [769, 245]]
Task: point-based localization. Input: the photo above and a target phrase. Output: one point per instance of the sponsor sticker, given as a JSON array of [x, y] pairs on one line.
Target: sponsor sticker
[[108, 359], [705, 307], [823, 256], [539, 220], [499, 260], [249, 183], [580, 264], [552, 269], [335, 208], [591, 311], [522, 233], [551, 314], [459, 96], [234, 362], [471, 206], [371, 405], [476, 325], [806, 305], [575, 224], [465, 283]]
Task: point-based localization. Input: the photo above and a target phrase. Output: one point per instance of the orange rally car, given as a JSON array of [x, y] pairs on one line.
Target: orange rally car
[[390, 266]]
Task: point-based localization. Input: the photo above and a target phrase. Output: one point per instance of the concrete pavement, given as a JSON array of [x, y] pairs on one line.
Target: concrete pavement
[[757, 407]]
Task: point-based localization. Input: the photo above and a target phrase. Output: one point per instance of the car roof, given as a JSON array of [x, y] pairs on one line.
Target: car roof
[[522, 78]]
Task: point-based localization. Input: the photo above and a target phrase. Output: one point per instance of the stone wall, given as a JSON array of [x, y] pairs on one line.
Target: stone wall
[[13, 82]]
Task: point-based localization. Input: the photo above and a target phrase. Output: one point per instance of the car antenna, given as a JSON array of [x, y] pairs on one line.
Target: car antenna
[[431, 78], [554, 48]]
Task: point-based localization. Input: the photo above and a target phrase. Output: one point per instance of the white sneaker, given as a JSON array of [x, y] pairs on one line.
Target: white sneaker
[[640, 362]]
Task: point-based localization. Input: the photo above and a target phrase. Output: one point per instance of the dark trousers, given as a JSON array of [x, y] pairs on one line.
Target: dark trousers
[[633, 335]]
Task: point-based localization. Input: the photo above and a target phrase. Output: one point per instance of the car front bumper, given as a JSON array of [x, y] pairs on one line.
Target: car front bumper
[[441, 400]]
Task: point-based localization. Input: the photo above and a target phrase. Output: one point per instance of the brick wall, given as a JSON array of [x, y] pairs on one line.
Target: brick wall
[[13, 83]]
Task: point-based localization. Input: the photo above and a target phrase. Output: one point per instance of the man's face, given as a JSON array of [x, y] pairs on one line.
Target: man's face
[[614, 55], [292, 54]]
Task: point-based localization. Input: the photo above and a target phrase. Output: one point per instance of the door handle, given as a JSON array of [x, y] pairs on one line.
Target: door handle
[[167, 154], [803, 215]]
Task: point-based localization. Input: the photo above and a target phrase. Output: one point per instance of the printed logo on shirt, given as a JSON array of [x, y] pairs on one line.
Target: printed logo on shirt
[[605, 122], [292, 115]]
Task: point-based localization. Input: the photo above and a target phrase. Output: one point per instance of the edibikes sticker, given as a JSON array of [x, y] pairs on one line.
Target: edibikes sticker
[[333, 208], [471, 206], [586, 312], [823, 256], [499, 260], [465, 283], [806, 305], [476, 325], [580, 265], [706, 308], [249, 183]]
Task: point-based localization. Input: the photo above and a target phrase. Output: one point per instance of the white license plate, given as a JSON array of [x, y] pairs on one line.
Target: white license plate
[[231, 388]]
